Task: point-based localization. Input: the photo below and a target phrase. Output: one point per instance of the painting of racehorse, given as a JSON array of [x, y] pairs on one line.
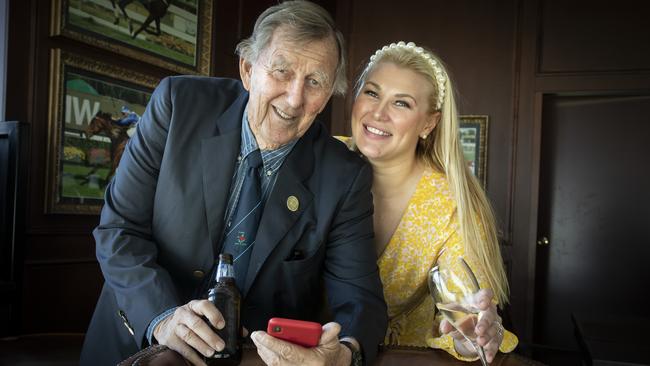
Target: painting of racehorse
[[92, 123], [170, 33], [94, 127], [104, 123]]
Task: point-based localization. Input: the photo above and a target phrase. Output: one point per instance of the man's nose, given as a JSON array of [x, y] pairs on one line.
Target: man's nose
[[295, 93]]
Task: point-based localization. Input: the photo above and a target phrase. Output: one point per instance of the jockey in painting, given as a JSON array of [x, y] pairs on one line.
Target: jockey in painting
[[128, 119]]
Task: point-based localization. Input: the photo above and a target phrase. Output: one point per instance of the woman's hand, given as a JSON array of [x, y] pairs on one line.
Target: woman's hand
[[488, 329]]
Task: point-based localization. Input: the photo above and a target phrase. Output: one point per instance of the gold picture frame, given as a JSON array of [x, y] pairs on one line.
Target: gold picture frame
[[473, 139], [183, 45], [93, 109]]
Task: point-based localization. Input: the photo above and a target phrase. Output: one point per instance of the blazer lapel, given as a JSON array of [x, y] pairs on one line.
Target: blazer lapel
[[278, 218], [218, 157]]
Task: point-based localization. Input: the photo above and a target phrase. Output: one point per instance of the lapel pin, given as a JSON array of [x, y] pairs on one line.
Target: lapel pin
[[292, 203]]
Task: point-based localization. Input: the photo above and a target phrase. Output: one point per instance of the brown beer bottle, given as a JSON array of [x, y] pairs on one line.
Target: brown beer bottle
[[225, 296]]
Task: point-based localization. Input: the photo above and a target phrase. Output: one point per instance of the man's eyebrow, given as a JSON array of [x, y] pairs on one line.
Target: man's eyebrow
[[323, 77], [279, 60]]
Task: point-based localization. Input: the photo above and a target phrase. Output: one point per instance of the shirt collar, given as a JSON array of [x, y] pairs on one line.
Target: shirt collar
[[248, 142]]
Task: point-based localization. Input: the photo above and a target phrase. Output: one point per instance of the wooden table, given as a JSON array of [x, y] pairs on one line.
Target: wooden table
[[412, 356], [63, 350], [397, 356]]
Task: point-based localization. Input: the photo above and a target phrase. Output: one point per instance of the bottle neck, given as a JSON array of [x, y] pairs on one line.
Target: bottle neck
[[225, 271]]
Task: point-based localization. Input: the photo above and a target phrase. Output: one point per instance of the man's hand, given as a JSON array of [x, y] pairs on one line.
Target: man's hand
[[329, 351], [186, 332], [488, 330]]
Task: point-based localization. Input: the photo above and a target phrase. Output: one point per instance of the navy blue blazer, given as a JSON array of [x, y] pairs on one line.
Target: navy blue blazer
[[163, 220]]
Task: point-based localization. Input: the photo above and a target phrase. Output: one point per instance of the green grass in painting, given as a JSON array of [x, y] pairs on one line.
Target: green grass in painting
[[74, 182]]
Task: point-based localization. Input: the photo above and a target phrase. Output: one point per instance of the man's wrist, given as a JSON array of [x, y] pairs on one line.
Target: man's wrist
[[152, 326], [354, 353], [345, 355]]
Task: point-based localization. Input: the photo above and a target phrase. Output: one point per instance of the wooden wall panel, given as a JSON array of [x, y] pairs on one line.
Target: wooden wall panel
[[59, 297], [583, 36]]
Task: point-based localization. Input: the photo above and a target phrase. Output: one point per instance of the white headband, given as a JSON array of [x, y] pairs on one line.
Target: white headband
[[437, 68]]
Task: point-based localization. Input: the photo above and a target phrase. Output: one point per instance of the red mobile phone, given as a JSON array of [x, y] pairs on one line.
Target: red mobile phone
[[300, 332]]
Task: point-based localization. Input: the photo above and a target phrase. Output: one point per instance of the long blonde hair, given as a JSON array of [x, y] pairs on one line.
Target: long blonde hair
[[442, 151]]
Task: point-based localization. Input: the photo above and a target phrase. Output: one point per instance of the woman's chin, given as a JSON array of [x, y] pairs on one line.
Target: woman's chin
[[371, 153]]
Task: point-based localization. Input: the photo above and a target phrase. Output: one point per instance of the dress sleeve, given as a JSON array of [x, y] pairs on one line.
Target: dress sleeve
[[453, 249]]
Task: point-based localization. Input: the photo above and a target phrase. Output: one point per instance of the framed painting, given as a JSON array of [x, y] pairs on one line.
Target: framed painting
[[93, 110], [473, 139], [175, 35]]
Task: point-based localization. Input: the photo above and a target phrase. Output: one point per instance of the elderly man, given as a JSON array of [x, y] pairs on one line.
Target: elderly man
[[174, 204]]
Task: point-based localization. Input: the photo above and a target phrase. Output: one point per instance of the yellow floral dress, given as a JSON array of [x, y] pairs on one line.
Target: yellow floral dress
[[428, 225]]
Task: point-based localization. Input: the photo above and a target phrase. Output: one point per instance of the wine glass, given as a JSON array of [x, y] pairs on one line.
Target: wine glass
[[454, 289]]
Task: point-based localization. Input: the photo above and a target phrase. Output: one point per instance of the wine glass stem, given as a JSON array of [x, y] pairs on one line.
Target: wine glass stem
[[481, 353]]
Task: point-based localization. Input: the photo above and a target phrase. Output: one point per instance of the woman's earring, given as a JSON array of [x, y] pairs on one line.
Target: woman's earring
[[423, 137]]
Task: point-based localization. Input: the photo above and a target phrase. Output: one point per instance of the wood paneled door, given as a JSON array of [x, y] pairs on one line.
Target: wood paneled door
[[594, 212]]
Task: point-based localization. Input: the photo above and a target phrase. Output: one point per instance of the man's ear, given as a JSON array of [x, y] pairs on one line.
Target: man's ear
[[245, 70]]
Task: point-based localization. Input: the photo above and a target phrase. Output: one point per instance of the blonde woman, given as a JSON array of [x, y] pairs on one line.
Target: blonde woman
[[428, 206]]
